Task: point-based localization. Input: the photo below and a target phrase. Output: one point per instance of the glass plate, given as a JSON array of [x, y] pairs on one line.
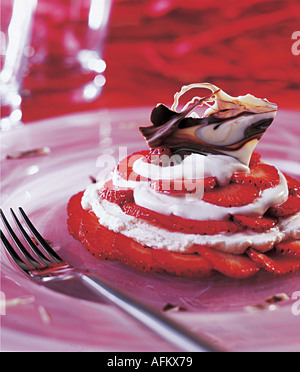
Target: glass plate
[[233, 314]]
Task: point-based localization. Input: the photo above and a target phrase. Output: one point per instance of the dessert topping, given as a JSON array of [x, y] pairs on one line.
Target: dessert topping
[[230, 126]]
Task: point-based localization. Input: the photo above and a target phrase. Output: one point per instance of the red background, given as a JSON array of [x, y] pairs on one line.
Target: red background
[[156, 46]]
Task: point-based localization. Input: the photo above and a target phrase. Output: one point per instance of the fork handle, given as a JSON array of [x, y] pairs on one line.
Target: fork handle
[[151, 318]]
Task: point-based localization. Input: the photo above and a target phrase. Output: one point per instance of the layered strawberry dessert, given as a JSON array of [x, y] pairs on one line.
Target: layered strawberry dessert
[[200, 199]]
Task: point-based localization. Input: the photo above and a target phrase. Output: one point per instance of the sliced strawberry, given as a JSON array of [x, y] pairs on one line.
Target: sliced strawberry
[[125, 166], [115, 194], [75, 213], [84, 226], [255, 159], [293, 185], [258, 224], [234, 266], [188, 265], [180, 186], [97, 239], [159, 156], [105, 244], [209, 227], [135, 210], [146, 214], [134, 254], [291, 206], [209, 183], [261, 175], [180, 224], [289, 247], [232, 195], [148, 259], [275, 263]]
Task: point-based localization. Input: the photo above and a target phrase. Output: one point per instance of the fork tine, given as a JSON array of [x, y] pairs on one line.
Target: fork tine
[[14, 256], [39, 254], [18, 243], [41, 240]]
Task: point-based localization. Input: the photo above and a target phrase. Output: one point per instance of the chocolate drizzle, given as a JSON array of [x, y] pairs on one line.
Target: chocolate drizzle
[[231, 125]]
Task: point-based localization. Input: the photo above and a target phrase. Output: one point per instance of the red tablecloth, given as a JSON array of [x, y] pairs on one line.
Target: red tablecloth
[[156, 46]]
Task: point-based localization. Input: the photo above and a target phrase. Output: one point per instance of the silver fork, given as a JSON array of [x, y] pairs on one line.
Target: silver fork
[[46, 267]]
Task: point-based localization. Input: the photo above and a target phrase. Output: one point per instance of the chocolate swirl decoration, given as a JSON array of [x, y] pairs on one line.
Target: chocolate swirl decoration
[[230, 126]]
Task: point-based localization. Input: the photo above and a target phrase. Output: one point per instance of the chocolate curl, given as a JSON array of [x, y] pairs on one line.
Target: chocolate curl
[[160, 129]]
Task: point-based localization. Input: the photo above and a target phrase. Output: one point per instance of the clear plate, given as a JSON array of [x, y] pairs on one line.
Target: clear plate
[[233, 314]]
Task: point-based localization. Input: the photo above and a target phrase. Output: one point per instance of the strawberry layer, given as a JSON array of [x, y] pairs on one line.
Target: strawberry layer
[[246, 193], [258, 208], [217, 204], [148, 233], [232, 224], [203, 261]]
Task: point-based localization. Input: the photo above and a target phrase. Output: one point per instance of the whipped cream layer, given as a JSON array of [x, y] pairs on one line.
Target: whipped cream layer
[[193, 166], [111, 216], [191, 206], [196, 209]]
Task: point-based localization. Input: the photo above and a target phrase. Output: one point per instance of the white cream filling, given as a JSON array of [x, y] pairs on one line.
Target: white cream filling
[[196, 209], [190, 206], [111, 216], [193, 166]]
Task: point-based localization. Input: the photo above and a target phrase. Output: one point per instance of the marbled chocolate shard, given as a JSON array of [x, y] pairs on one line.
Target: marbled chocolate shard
[[230, 126]]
